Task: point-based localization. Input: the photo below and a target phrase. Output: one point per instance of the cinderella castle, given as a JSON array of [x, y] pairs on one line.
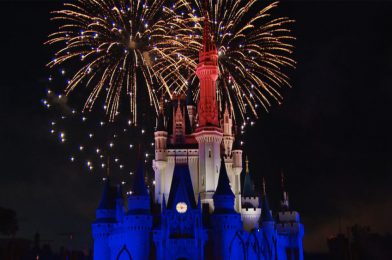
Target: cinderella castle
[[199, 209]]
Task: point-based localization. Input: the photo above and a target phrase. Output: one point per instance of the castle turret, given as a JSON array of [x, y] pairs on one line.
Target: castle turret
[[179, 121], [248, 190], [237, 154], [191, 107], [104, 222], [237, 169], [138, 197], [208, 134], [289, 226], [225, 220], [228, 137], [227, 146], [138, 220], [267, 225], [250, 210], [160, 162]]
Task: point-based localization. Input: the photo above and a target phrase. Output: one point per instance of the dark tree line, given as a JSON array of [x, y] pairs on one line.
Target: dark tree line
[[8, 222]]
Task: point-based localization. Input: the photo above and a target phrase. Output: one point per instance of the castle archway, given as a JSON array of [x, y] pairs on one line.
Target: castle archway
[[253, 250], [237, 247], [124, 254]]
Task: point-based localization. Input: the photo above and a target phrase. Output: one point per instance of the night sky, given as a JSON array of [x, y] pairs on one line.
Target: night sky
[[331, 136]]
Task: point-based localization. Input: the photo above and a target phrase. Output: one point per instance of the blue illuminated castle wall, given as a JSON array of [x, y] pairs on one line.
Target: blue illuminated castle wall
[[199, 208], [193, 232]]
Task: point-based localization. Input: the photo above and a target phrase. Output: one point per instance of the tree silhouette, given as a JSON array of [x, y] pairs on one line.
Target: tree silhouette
[[8, 222]]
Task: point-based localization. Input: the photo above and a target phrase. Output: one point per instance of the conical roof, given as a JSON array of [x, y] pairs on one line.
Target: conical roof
[[265, 209], [138, 186], [108, 197], [223, 188], [119, 192], [181, 189], [248, 189]]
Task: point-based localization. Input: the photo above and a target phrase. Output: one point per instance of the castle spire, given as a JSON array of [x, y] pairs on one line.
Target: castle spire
[[108, 197], [265, 210], [161, 116], [248, 189], [223, 187], [208, 43], [138, 186], [223, 196], [207, 71]]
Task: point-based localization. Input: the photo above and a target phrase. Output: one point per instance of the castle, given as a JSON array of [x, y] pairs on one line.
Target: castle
[[199, 210]]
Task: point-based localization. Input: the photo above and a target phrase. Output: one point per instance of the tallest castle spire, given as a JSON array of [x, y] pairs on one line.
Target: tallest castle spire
[[208, 42], [207, 72]]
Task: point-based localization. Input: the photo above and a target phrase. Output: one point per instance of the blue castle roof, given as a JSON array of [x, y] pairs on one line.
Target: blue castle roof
[[138, 186], [108, 197], [181, 187], [223, 188]]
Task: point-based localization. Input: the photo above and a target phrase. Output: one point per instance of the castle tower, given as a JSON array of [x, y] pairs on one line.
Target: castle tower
[[227, 146], [137, 221], [267, 225], [104, 223], [207, 71], [290, 225], [160, 162], [191, 107], [179, 121], [248, 190], [225, 220], [208, 134], [237, 169], [228, 137], [250, 210]]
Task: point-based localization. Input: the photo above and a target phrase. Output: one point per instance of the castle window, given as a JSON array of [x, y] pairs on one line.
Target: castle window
[[209, 153]]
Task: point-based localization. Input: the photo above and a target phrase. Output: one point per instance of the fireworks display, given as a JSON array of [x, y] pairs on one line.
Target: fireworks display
[[135, 51], [93, 144], [116, 46], [254, 50]]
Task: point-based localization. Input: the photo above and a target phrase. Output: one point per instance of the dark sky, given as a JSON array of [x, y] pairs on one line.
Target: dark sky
[[331, 136]]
